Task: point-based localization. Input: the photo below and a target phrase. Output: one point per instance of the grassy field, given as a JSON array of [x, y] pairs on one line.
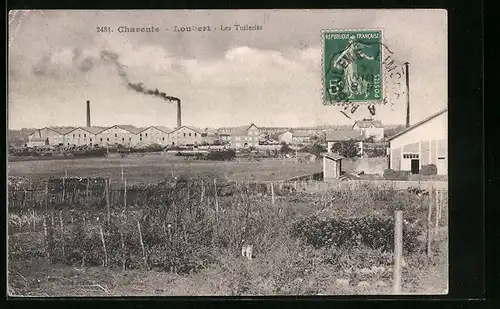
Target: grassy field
[[207, 234], [156, 167]]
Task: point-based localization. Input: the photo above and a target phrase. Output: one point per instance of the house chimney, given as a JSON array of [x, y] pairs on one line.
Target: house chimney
[[179, 124], [88, 113]]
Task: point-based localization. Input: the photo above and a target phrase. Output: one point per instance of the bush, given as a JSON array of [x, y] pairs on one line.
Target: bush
[[368, 231], [226, 155], [390, 174], [429, 169], [347, 149]]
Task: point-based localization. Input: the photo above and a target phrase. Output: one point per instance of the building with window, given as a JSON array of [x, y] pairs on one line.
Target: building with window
[[185, 136], [342, 136], [83, 136], [370, 128], [50, 136], [424, 143], [125, 135], [245, 136], [154, 135]]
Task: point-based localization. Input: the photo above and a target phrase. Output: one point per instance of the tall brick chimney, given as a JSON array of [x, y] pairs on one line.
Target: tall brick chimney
[[179, 124], [88, 113]]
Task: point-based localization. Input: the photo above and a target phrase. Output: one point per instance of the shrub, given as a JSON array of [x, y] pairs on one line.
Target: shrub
[[390, 174], [348, 149], [429, 169], [369, 231], [226, 155]]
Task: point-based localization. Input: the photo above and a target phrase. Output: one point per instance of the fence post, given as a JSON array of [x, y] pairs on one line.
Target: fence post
[[63, 188], [142, 245], [429, 223], [398, 250], [65, 173], [45, 232], [216, 201], [47, 196], [436, 217], [62, 231], [87, 190], [125, 195], [106, 193], [105, 262], [272, 193]]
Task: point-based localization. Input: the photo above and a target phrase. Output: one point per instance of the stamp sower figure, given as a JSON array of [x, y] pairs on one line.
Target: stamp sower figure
[[346, 61]]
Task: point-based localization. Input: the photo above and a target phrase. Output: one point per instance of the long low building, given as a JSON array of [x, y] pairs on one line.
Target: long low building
[[424, 143]]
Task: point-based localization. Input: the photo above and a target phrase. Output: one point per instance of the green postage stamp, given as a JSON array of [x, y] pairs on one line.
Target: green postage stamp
[[352, 66]]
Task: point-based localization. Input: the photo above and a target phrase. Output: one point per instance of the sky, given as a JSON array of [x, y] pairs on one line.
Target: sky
[[270, 77]]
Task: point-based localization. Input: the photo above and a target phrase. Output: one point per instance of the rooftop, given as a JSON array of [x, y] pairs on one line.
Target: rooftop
[[336, 136], [366, 123]]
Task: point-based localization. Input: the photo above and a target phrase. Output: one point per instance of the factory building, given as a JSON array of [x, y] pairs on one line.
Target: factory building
[[125, 135], [49, 135], [186, 136], [154, 135], [83, 136], [421, 144]]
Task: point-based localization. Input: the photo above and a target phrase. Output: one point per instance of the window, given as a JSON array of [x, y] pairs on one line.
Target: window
[[85, 135], [184, 134], [140, 139], [163, 139], [140, 134], [129, 139], [410, 156], [79, 135], [68, 144], [195, 135], [73, 135], [116, 135], [107, 139], [123, 139], [189, 134], [146, 134], [91, 139]]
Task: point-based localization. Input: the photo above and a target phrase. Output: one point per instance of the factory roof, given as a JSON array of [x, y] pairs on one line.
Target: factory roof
[[127, 127], [418, 124], [93, 130], [161, 128], [190, 128]]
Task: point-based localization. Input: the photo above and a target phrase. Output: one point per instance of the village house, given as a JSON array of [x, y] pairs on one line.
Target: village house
[[154, 135], [370, 128], [83, 136], [426, 142], [245, 136], [286, 137], [301, 137], [343, 136], [186, 136]]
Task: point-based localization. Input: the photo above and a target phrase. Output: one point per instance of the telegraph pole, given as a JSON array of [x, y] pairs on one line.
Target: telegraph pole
[[407, 66]]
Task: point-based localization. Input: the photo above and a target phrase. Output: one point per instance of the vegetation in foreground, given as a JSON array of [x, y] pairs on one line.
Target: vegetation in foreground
[[333, 243]]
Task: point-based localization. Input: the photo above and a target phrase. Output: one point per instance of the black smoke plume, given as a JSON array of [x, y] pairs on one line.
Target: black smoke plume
[[139, 87]]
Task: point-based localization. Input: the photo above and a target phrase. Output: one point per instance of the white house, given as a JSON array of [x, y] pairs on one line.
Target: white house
[[343, 136], [424, 143], [370, 128], [245, 136], [286, 137]]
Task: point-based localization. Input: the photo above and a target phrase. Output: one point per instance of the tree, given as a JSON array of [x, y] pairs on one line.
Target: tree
[[348, 149], [285, 148]]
